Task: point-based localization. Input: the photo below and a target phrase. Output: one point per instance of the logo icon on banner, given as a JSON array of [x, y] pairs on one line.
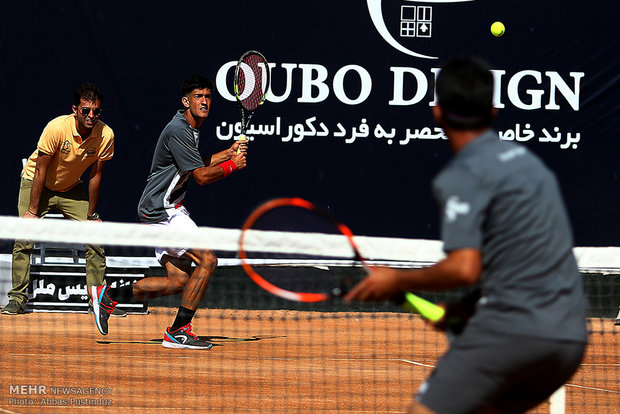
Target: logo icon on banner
[[416, 21]]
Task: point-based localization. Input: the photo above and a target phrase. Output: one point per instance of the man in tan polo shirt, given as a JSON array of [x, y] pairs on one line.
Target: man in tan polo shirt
[[68, 146]]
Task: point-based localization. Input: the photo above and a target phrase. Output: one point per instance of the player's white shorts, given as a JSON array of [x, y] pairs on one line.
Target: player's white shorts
[[179, 219]]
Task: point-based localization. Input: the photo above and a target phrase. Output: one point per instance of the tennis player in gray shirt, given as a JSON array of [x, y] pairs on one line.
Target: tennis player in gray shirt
[[505, 232], [176, 159]]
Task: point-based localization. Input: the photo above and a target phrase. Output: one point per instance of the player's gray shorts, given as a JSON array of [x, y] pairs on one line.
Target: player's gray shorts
[[510, 373]]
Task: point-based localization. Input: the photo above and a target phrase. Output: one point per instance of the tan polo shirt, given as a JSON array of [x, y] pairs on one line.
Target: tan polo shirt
[[71, 155]]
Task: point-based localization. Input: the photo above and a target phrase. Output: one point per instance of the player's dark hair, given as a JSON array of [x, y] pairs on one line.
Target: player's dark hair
[[465, 93], [87, 91], [196, 82]]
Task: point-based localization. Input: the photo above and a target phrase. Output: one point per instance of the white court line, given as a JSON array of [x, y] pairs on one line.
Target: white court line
[[353, 359], [592, 388], [264, 358], [600, 365], [413, 363], [567, 385]]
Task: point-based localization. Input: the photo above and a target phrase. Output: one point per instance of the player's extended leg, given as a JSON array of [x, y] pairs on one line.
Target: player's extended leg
[[105, 299], [178, 273], [179, 335], [195, 289]]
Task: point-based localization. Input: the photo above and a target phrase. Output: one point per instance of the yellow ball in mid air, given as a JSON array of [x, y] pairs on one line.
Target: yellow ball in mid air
[[498, 29]]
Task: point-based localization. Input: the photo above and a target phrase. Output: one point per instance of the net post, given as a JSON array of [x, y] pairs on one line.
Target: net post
[[557, 401]]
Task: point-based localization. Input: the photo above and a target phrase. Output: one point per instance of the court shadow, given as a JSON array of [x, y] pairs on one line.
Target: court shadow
[[215, 340]]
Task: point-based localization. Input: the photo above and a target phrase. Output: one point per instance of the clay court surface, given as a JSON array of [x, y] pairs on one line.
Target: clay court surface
[[261, 361]]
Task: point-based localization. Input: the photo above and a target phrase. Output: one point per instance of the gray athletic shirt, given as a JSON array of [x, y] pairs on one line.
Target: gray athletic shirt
[[176, 156], [499, 198]]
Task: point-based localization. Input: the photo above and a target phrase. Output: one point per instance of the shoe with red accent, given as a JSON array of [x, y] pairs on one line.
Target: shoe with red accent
[[184, 338], [103, 307]]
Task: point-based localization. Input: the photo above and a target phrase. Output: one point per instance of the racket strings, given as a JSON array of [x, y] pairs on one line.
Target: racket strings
[[251, 81]]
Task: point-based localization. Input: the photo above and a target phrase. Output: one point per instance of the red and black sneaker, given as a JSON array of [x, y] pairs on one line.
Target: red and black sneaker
[[184, 338], [103, 307]]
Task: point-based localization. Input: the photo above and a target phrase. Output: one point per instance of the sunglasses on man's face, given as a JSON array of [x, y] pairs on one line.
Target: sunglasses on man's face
[[86, 111]]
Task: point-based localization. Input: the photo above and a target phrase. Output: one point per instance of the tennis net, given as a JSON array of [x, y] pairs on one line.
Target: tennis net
[[269, 354]]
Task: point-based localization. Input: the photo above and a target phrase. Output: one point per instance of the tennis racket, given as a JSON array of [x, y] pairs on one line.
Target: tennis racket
[[295, 250], [251, 83]]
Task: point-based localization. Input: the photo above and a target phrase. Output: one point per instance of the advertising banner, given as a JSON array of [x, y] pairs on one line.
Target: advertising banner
[[347, 121]]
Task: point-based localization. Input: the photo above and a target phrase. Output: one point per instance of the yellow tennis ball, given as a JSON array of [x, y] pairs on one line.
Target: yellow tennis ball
[[498, 29]]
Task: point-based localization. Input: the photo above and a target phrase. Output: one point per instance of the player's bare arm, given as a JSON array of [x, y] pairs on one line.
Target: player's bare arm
[[94, 185], [227, 154], [40, 173], [460, 268], [206, 175]]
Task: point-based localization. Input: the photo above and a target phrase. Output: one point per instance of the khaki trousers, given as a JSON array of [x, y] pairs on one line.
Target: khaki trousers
[[73, 204]]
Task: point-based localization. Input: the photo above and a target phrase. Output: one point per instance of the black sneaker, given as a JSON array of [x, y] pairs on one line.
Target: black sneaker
[[13, 308], [184, 338], [103, 307]]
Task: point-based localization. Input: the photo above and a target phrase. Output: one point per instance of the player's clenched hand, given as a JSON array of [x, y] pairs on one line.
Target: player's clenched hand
[[381, 284], [238, 146], [239, 160], [455, 317]]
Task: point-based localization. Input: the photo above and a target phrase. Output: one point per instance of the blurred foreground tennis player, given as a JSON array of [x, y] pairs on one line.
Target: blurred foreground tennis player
[[175, 160], [504, 227]]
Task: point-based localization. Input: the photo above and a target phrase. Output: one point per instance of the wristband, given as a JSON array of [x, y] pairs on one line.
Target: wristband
[[34, 214], [228, 167]]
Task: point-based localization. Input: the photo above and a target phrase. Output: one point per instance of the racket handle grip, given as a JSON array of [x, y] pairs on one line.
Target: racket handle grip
[[416, 304], [241, 138], [432, 312]]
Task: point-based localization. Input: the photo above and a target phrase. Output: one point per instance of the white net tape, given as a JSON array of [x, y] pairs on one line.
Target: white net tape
[[416, 251]]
